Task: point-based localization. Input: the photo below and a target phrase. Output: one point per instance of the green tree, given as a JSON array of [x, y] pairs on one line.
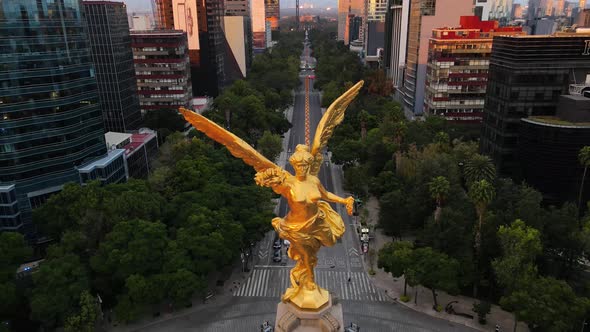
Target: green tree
[[435, 270], [393, 213], [13, 252], [58, 286], [396, 258], [85, 319], [547, 304], [516, 269], [479, 167], [132, 248], [584, 157], [183, 284], [520, 246], [270, 145], [439, 188]]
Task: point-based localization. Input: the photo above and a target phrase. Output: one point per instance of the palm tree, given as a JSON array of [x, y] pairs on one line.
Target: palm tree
[[481, 193], [479, 167], [439, 189], [584, 157]]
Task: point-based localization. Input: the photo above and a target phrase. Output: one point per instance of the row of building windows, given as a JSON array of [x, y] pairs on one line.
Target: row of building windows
[[72, 156], [10, 222], [161, 88], [162, 80], [442, 49], [450, 103], [8, 197], [172, 96]]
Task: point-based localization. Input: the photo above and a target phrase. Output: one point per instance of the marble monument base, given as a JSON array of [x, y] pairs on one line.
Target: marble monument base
[[291, 318]]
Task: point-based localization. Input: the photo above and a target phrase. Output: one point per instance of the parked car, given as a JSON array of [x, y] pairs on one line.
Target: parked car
[[277, 256], [277, 244]]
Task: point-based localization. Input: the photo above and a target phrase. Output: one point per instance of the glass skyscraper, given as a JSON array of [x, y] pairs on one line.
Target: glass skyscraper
[[50, 119], [108, 31]]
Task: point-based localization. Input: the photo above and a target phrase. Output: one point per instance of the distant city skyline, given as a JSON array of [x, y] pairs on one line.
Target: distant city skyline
[[145, 5]]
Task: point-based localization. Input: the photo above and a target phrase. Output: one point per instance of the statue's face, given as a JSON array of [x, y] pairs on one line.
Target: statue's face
[[301, 168]]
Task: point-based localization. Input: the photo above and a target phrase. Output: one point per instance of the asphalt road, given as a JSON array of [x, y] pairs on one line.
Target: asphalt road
[[255, 301]]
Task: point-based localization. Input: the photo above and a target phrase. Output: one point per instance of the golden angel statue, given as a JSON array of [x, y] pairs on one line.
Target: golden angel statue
[[311, 222]]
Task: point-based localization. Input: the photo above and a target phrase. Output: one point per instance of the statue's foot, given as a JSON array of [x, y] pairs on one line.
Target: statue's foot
[[307, 299]]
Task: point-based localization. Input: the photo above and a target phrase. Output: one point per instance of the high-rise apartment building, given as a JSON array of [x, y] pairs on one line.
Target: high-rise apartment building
[[374, 29], [396, 38], [164, 14], [258, 16], [141, 21], [559, 7], [211, 71], [354, 27], [108, 32], [458, 62], [237, 8], [501, 11], [272, 13], [584, 19], [527, 76], [517, 11], [202, 20], [239, 50], [162, 69], [50, 115], [424, 16], [547, 7], [345, 9], [482, 9]]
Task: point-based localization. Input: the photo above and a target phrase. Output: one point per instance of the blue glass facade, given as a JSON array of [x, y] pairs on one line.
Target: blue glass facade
[[50, 119]]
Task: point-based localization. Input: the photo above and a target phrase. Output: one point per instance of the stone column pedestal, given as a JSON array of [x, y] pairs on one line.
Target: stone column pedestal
[[291, 318]]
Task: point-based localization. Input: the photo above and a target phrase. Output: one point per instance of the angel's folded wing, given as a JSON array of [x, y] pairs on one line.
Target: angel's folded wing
[[236, 146], [333, 117]]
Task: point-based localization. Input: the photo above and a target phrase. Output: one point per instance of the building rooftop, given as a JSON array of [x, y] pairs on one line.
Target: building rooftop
[[102, 162], [113, 138], [136, 141], [554, 121]]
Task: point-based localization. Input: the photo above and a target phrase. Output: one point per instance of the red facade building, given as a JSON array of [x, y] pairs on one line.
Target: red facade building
[[457, 70]]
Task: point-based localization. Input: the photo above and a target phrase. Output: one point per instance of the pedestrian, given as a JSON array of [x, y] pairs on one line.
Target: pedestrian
[[349, 279]]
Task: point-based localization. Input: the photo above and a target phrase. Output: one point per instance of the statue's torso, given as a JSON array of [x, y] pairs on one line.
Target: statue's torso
[[302, 197]]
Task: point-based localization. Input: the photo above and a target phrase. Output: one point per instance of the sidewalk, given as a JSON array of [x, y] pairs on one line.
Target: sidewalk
[[394, 287]]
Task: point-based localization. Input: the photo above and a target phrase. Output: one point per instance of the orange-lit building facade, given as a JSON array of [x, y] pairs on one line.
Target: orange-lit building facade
[[258, 17], [272, 13], [164, 14], [346, 8], [457, 69]]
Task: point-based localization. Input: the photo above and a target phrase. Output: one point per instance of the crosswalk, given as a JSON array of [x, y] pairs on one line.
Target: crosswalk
[[272, 282]]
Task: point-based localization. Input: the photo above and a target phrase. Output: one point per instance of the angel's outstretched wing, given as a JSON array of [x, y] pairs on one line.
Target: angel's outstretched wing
[[333, 117], [236, 146]]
